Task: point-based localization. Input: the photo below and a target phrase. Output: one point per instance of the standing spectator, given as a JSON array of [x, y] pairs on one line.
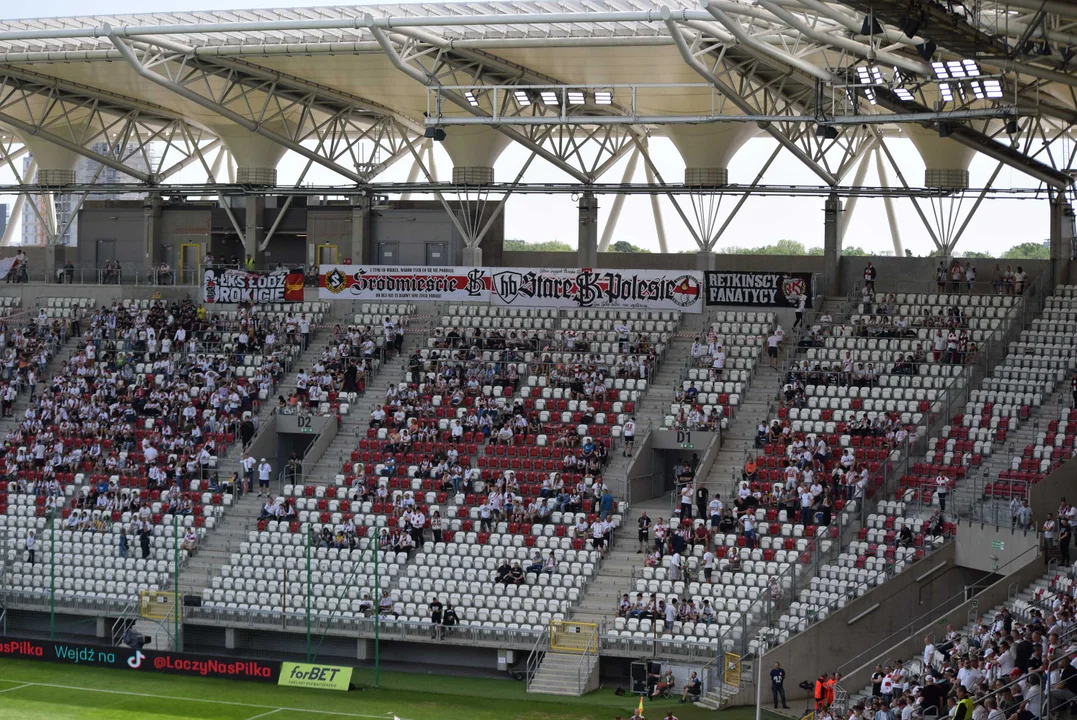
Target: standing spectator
[[248, 472], [702, 501], [144, 541], [1073, 388], [264, 470], [957, 276], [970, 275], [942, 485], [802, 302], [644, 532], [869, 277], [777, 684], [940, 277], [1020, 278], [435, 615], [31, 542], [996, 279], [1064, 537], [629, 437], [772, 348]]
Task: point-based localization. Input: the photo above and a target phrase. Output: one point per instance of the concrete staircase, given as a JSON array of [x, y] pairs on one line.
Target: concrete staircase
[[354, 425], [217, 546], [716, 697], [562, 674]]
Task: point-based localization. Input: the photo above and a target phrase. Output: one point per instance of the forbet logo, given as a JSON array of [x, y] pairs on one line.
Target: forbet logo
[[316, 673]]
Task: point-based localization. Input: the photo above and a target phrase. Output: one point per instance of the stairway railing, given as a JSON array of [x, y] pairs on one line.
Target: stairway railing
[[584, 666], [534, 658]]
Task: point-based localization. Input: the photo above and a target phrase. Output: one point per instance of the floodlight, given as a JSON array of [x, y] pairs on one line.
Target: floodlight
[[864, 74], [603, 97], [946, 93], [576, 97], [903, 94], [939, 68], [993, 88], [549, 97], [471, 98], [971, 68], [522, 98]]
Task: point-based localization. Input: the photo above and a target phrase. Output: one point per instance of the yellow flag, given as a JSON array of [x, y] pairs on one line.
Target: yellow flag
[[640, 710]]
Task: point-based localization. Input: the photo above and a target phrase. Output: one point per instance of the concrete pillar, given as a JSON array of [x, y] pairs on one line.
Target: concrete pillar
[[706, 261], [51, 255], [587, 254], [832, 245], [472, 257], [364, 649], [708, 149], [256, 157], [474, 149], [360, 251], [946, 162], [229, 638], [1062, 238], [101, 627], [151, 217], [254, 230], [55, 165]]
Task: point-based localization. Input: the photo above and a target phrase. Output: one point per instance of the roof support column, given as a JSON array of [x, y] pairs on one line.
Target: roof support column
[[832, 245], [360, 252], [587, 253], [151, 224], [254, 230], [1062, 238]]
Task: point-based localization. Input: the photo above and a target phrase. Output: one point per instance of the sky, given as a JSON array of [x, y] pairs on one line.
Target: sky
[[996, 226]]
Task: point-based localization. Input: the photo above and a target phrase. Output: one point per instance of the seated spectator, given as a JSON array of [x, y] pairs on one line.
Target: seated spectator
[[693, 688]]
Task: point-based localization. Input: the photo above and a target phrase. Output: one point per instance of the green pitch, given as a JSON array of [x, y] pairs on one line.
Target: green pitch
[[44, 691]]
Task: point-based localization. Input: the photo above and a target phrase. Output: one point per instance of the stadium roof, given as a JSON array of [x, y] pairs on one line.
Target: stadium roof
[[352, 87]]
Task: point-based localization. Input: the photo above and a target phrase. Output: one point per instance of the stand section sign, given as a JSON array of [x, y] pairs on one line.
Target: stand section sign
[[231, 286], [568, 288], [760, 289], [125, 658]]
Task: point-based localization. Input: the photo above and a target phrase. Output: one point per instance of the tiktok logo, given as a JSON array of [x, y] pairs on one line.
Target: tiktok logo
[[135, 661]]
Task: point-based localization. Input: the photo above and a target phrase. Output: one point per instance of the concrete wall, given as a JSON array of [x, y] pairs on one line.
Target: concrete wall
[[917, 274], [664, 261], [111, 230], [934, 584], [987, 548], [1028, 569], [1046, 495]]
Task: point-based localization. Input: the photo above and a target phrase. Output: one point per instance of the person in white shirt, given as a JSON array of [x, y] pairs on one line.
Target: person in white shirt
[[708, 566], [629, 432], [772, 349], [675, 563], [802, 301], [264, 470]]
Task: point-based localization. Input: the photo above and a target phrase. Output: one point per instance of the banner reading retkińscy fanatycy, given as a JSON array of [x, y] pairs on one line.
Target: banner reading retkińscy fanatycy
[[518, 287], [762, 289]]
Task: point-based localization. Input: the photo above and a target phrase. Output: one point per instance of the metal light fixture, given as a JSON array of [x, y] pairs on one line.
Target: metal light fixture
[[603, 97], [904, 95], [576, 97], [522, 98], [549, 97], [472, 101]]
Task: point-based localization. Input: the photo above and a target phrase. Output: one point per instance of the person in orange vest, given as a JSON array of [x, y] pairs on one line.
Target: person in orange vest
[[829, 698], [820, 693]]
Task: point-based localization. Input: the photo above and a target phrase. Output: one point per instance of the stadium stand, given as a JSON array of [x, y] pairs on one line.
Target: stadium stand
[[122, 447]]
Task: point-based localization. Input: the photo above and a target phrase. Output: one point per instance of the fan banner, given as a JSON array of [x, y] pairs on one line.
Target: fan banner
[[231, 286], [759, 289], [585, 288]]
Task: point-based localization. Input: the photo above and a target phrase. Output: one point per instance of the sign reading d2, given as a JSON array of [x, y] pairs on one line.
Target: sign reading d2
[[320, 677]]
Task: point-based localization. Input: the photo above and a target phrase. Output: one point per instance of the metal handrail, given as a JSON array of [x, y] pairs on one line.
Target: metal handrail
[[534, 658], [583, 667], [912, 627]]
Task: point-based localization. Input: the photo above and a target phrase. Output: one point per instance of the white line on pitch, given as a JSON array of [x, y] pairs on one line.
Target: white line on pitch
[[20, 687], [262, 715]]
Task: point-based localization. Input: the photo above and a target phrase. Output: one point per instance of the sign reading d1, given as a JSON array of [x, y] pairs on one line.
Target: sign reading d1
[[319, 677]]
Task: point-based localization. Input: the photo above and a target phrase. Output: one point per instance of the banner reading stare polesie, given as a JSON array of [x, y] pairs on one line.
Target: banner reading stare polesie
[[570, 288]]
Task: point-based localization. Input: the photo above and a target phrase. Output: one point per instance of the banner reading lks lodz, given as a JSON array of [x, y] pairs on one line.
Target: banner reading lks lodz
[[231, 286], [761, 289]]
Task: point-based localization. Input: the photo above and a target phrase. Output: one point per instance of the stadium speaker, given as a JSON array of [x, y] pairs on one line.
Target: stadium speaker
[[926, 50], [192, 601], [911, 25], [639, 677]]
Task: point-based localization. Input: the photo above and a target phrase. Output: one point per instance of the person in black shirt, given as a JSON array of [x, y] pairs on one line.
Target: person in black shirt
[[435, 615], [1065, 534], [702, 499], [777, 684], [644, 532], [1073, 385], [503, 572], [933, 695], [1065, 690], [877, 681]]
